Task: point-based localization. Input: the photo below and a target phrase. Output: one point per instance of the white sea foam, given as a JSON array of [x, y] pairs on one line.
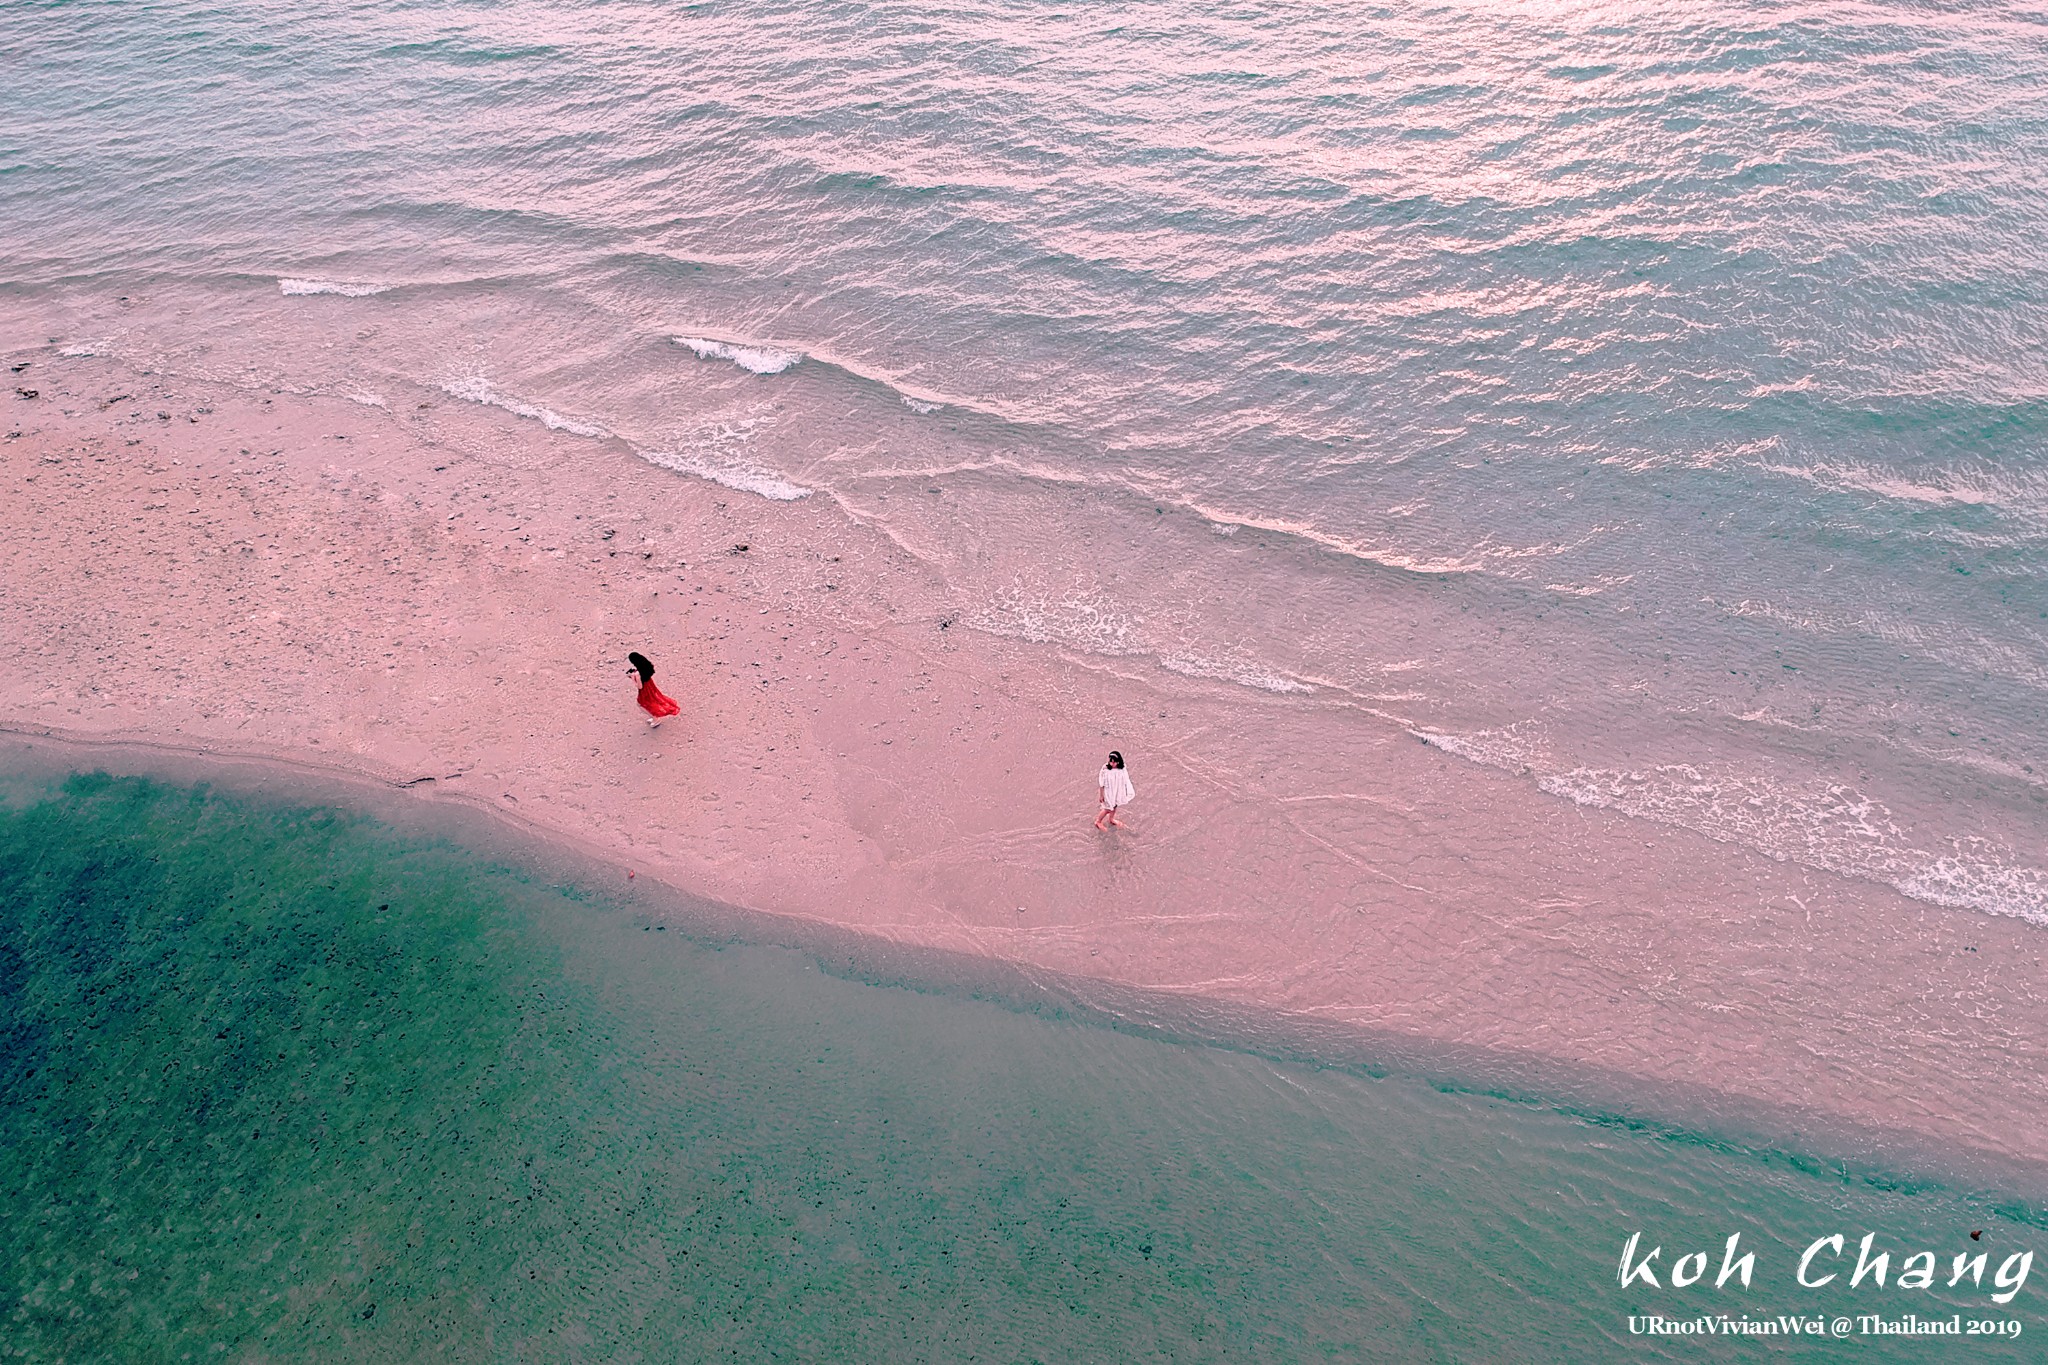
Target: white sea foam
[[738, 477], [757, 359], [1515, 748], [345, 288], [80, 350], [920, 407], [365, 397], [712, 450], [1980, 876], [1824, 825], [1080, 618], [1600, 583], [1828, 825], [1242, 672], [479, 390]]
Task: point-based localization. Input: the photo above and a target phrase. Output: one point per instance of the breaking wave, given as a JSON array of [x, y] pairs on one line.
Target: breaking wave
[[476, 390], [738, 477], [756, 359]]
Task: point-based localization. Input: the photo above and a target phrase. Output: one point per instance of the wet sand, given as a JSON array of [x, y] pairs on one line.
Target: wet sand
[[443, 594]]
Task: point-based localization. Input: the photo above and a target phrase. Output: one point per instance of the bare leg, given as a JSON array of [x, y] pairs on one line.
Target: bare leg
[[1104, 815], [1114, 822]]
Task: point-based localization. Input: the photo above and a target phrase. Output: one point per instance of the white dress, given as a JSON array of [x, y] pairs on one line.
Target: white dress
[[1116, 787]]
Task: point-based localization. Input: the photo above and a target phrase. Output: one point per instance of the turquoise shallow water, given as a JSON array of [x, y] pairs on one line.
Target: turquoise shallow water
[[281, 1083]]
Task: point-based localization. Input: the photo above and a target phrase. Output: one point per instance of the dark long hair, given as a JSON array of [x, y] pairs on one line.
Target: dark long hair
[[1116, 759], [642, 664]]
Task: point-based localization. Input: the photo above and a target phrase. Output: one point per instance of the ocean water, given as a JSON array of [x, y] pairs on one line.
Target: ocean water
[[278, 1082], [1649, 403]]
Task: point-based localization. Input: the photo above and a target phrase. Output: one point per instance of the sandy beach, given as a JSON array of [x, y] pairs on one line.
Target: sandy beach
[[426, 592]]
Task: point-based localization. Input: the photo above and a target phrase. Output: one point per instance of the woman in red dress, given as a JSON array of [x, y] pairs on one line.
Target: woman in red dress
[[653, 701]]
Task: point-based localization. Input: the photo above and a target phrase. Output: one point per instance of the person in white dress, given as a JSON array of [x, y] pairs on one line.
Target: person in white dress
[[1114, 786]]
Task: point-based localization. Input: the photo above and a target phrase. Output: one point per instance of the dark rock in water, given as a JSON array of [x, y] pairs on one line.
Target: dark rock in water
[[28, 393]]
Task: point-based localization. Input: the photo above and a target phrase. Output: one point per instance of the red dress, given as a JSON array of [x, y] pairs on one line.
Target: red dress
[[655, 702]]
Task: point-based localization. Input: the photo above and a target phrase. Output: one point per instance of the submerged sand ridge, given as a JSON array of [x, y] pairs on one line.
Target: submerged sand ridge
[[440, 590]]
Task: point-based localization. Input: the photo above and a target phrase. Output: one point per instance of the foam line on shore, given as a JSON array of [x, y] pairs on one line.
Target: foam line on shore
[[476, 389], [1829, 827]]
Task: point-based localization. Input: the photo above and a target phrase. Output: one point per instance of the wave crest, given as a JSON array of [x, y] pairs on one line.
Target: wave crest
[[756, 359], [346, 288], [738, 477], [478, 390]]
